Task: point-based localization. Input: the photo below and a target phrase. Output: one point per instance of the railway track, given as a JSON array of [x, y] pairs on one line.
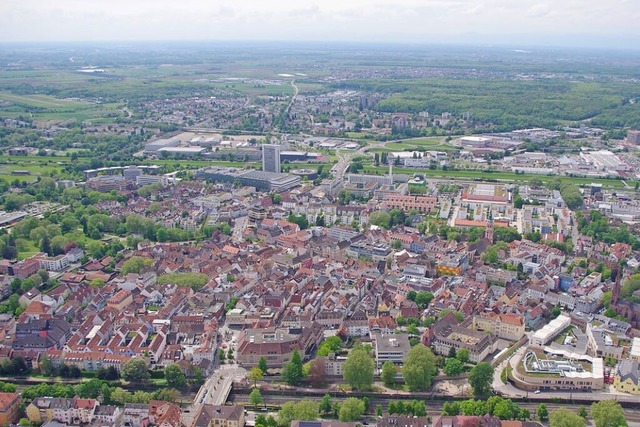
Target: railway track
[[434, 407]]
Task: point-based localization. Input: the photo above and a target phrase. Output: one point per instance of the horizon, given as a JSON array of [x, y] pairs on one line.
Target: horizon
[[328, 44], [495, 22]]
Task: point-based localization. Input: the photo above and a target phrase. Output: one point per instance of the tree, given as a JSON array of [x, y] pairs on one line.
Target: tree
[[542, 412], [135, 264], [135, 370], [418, 368], [451, 408], [388, 374], [301, 220], [222, 355], [358, 368], [565, 418], [255, 397], [167, 394], [392, 408], [326, 406], [292, 372], [378, 410], [453, 367], [452, 352], [45, 245], [419, 408], [230, 354], [262, 364], [582, 411], [255, 375], [608, 413], [175, 377], [463, 355], [424, 298], [329, 345], [380, 218], [262, 421], [303, 410], [351, 410], [524, 414], [504, 409], [317, 372], [480, 378]]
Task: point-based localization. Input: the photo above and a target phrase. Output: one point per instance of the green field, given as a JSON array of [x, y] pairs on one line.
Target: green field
[[436, 143], [36, 168], [466, 175], [45, 107]]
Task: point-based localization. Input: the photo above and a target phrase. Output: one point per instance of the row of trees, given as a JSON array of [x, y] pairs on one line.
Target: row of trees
[[419, 368], [605, 413], [98, 389], [504, 409]]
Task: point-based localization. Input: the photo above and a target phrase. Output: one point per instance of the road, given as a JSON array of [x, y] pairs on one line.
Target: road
[[215, 389], [339, 169], [238, 228], [295, 94]]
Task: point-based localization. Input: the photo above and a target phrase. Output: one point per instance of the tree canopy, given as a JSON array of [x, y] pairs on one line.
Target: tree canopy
[[419, 368], [352, 409], [358, 368], [480, 378], [304, 410], [608, 413], [563, 417], [135, 370], [292, 371]]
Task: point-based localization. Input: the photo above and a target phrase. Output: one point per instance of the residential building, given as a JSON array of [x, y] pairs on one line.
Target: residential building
[[9, 408], [322, 423], [422, 204], [448, 332], [65, 410], [627, 378], [509, 326], [219, 416], [277, 344]]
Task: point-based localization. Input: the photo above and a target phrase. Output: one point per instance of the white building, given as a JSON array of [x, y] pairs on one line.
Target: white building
[[541, 337]]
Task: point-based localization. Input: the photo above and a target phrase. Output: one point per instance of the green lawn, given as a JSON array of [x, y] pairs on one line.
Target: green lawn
[[42, 101], [436, 143], [500, 176], [34, 159]]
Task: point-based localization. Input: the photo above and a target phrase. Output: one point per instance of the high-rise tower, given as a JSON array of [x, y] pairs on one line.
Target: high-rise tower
[[271, 158]]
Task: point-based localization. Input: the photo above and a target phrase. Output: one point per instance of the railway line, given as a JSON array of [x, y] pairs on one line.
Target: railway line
[[434, 407]]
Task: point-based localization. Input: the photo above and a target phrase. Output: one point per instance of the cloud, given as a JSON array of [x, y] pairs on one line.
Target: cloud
[[374, 20]]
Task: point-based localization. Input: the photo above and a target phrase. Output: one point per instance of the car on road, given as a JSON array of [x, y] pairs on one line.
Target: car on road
[[536, 392]]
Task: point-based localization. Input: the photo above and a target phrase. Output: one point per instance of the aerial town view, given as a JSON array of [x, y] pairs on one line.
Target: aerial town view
[[230, 229]]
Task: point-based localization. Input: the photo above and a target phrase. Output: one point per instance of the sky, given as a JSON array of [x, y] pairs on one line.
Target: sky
[[560, 22]]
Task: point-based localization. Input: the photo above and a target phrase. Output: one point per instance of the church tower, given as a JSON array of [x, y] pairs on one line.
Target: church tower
[[488, 232]]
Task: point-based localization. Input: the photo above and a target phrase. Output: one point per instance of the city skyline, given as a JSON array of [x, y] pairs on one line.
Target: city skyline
[[568, 23]]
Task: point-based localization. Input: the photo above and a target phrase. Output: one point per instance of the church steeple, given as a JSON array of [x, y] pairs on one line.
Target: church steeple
[[488, 232]]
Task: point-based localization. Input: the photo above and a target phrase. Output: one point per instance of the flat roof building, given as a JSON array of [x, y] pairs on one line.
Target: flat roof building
[[541, 337], [393, 347], [269, 181]]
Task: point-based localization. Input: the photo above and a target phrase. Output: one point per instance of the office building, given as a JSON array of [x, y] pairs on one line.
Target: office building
[[271, 158]]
